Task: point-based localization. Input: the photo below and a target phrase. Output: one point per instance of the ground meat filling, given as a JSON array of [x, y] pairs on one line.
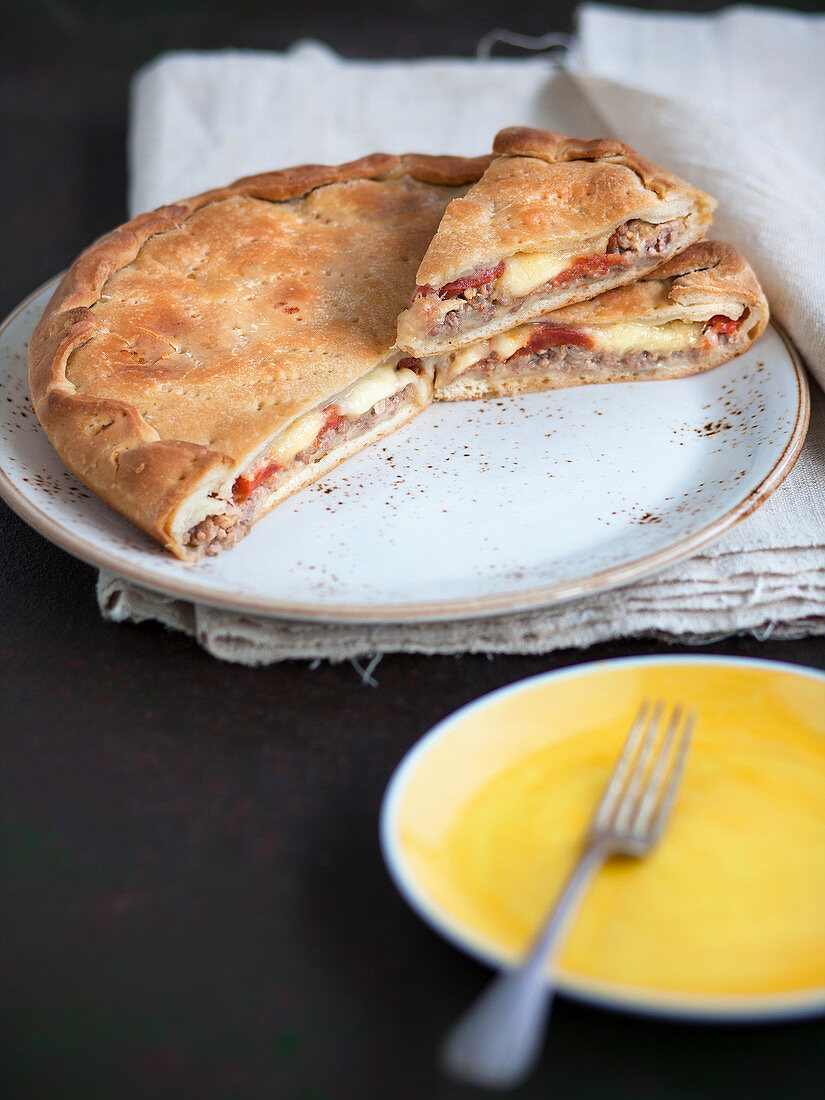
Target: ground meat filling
[[632, 241], [481, 303], [570, 357], [217, 532]]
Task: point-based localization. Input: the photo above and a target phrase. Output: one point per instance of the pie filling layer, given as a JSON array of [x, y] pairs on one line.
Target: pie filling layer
[[373, 400], [470, 301], [625, 345]]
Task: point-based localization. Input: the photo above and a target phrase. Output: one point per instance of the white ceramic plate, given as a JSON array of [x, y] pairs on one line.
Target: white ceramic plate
[[473, 902], [473, 508]]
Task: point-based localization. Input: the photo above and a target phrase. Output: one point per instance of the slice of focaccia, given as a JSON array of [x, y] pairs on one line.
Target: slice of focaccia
[[552, 221], [697, 310], [202, 362]]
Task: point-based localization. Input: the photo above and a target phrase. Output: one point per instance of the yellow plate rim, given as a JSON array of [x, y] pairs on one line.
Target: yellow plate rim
[[712, 1008]]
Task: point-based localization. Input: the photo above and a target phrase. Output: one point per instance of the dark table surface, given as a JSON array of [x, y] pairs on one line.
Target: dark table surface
[[192, 901]]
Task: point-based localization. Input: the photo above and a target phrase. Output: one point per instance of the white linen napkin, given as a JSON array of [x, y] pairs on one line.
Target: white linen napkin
[[731, 124], [202, 119]]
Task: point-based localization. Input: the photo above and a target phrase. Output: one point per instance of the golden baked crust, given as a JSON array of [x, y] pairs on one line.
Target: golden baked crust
[[556, 148], [177, 346], [546, 193], [709, 278], [707, 282]]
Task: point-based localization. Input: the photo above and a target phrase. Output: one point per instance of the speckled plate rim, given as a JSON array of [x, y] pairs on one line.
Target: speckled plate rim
[[196, 589], [603, 994]]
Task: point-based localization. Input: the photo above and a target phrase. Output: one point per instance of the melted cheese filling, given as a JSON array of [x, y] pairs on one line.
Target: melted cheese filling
[[528, 270], [372, 388], [624, 336], [619, 338], [379, 384], [504, 345], [300, 434], [508, 343]]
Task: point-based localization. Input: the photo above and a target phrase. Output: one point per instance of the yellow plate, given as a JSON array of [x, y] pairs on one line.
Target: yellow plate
[[724, 920]]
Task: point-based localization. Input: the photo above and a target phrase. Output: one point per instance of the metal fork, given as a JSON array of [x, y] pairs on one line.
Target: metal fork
[[498, 1040]]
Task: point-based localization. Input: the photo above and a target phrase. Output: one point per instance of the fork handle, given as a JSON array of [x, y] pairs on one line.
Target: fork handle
[[498, 1040]]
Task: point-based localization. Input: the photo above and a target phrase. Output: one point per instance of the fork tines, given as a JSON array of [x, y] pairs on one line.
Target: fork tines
[[640, 794]]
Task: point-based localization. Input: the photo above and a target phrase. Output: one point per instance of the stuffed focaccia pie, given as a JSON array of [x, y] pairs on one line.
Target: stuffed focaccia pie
[[552, 221], [202, 362], [699, 309]]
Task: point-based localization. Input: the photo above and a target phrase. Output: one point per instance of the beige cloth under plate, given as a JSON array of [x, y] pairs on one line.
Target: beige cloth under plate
[[202, 119]]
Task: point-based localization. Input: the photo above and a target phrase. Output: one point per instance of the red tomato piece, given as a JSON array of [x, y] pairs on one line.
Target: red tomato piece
[[425, 291], [478, 278], [720, 325], [592, 268], [333, 419], [554, 336], [246, 484]]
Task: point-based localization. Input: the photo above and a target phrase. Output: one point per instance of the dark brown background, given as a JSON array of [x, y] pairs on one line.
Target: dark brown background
[[193, 901]]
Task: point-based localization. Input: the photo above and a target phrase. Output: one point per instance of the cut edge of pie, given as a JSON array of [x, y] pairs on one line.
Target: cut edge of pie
[[528, 239], [698, 310]]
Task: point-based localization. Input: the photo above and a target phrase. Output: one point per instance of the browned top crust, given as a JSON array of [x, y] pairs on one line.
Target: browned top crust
[[547, 192], [177, 345], [556, 148], [448, 171], [708, 279]]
